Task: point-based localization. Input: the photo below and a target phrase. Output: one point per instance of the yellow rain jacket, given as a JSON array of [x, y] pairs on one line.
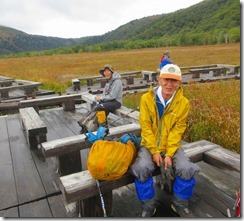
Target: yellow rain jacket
[[166, 133]]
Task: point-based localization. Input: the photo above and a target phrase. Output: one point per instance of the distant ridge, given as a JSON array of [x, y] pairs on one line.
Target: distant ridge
[[208, 22]]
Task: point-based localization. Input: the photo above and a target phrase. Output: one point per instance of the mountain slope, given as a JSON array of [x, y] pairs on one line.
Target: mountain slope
[[208, 22], [13, 41]]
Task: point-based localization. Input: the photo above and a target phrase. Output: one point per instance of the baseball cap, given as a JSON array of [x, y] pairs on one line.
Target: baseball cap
[[107, 66], [171, 71]]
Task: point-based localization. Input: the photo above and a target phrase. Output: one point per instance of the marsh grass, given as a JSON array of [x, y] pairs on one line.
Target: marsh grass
[[214, 113], [215, 107], [61, 69]]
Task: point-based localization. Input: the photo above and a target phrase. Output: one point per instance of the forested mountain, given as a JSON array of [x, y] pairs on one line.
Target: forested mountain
[[12, 41], [208, 22]]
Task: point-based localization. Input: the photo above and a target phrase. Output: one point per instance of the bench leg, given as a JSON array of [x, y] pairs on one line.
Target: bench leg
[[69, 105], [69, 163], [4, 94], [92, 207], [130, 80], [32, 142]]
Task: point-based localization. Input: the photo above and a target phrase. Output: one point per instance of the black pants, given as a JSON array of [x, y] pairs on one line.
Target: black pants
[[108, 106]]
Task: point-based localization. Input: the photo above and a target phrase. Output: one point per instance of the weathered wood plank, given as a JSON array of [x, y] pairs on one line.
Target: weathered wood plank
[[81, 185], [8, 193], [46, 170], [10, 213], [69, 161], [33, 126], [32, 121], [195, 150], [78, 142], [58, 209], [37, 209], [223, 158], [27, 180], [48, 100]]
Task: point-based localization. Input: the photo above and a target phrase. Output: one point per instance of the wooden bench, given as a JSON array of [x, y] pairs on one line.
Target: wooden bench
[[6, 83], [35, 129], [82, 187], [216, 71], [67, 101], [149, 75], [129, 79], [65, 146], [128, 115], [231, 69], [89, 80], [28, 88]]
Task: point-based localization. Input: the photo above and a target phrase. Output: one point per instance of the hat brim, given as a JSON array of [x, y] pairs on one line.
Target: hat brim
[[171, 76]]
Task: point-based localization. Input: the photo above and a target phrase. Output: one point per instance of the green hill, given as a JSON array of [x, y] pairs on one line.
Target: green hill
[[208, 22]]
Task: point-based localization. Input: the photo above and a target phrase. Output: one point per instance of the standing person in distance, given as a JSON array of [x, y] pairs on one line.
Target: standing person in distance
[[163, 119], [165, 60]]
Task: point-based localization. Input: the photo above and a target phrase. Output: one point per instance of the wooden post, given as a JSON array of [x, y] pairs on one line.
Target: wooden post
[[69, 163], [92, 207], [69, 105]]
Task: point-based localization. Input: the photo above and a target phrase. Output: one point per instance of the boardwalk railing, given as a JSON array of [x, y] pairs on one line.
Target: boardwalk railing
[[68, 102]]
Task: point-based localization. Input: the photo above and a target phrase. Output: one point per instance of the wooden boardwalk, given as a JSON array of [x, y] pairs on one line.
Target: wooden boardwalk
[[28, 189]]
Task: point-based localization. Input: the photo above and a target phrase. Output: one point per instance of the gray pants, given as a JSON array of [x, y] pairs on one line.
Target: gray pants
[[143, 167]]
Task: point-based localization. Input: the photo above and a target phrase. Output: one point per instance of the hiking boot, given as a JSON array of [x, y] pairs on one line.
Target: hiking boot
[[182, 211], [148, 213]]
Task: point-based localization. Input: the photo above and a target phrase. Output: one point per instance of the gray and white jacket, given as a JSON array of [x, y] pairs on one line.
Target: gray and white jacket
[[113, 89]]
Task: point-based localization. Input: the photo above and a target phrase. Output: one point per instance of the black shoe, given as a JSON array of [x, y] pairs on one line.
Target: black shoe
[[182, 211]]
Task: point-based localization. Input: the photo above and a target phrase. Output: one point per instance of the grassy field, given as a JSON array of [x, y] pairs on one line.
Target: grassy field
[[57, 71], [215, 107]]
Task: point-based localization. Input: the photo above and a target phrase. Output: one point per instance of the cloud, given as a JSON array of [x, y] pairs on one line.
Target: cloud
[[77, 18]]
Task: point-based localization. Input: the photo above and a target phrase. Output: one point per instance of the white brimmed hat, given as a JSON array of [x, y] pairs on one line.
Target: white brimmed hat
[[107, 66], [171, 71]]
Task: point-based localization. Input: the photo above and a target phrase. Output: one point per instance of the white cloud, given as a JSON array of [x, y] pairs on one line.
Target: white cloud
[[78, 18]]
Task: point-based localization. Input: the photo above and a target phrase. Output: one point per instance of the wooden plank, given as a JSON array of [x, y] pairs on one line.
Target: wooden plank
[[225, 180], [69, 161], [78, 142], [58, 209], [10, 213], [223, 158], [213, 196], [48, 100], [32, 121], [195, 150], [82, 185], [8, 191], [24, 86], [28, 183], [46, 170], [37, 209], [125, 202]]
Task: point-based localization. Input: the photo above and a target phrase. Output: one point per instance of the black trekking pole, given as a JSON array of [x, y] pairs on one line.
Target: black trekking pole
[[137, 108], [101, 197]]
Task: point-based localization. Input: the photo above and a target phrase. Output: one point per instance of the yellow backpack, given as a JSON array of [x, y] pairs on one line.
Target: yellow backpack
[[109, 160]]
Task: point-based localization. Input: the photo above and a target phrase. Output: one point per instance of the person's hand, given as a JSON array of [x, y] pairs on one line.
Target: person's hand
[[97, 98], [157, 159], [167, 162]]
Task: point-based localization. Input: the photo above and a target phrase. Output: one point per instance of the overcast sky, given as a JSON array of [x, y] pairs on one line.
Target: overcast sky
[[79, 18]]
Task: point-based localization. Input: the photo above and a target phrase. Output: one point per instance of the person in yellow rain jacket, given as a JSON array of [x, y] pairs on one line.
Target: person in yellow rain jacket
[[163, 120]]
